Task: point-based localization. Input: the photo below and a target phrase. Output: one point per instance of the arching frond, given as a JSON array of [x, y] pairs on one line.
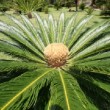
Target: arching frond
[[16, 51], [43, 33], [77, 30], [23, 90], [90, 35], [66, 93]]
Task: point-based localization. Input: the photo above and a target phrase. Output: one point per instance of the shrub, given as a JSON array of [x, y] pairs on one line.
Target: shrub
[[89, 10], [103, 4], [27, 6], [68, 4], [105, 12], [57, 5], [46, 9], [82, 6], [108, 5]]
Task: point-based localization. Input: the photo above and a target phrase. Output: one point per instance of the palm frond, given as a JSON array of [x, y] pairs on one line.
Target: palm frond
[[43, 33], [89, 36], [98, 66], [98, 46], [97, 92], [10, 69], [25, 29], [98, 56], [34, 37], [19, 38], [68, 29], [60, 28], [9, 65], [100, 80], [16, 51], [23, 90], [52, 30], [77, 30], [66, 92]]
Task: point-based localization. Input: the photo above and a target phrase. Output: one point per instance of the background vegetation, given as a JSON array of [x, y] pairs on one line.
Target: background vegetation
[[27, 6]]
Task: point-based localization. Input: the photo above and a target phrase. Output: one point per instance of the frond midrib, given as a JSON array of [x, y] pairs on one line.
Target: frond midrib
[[65, 91]]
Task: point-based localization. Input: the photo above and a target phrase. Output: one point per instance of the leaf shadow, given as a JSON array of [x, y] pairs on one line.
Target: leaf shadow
[[105, 17], [56, 107]]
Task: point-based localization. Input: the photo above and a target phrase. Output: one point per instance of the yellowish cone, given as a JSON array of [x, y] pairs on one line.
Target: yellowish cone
[[56, 54]]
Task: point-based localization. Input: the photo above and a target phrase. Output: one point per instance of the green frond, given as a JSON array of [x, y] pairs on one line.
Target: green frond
[[66, 92], [95, 87], [96, 90], [103, 85], [43, 34], [99, 63], [8, 65], [52, 30], [97, 47], [101, 66], [89, 36], [100, 80], [19, 38], [34, 37], [16, 51], [60, 27], [94, 56], [98, 56], [10, 69], [68, 29], [25, 29], [28, 6], [77, 30], [23, 90]]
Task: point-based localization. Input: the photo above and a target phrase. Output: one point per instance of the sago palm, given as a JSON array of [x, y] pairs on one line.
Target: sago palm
[[27, 6], [55, 65]]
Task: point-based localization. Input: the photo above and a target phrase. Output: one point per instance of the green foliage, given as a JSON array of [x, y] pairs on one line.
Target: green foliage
[[105, 12], [105, 8], [5, 5], [82, 6], [27, 82], [103, 3], [89, 10], [99, 3], [46, 9], [108, 5], [57, 5], [69, 3], [27, 6]]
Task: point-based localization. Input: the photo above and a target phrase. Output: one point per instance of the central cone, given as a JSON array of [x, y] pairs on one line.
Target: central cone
[[56, 54]]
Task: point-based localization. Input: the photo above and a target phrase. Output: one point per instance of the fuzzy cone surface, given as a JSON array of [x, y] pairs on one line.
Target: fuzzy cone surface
[[29, 82], [56, 54]]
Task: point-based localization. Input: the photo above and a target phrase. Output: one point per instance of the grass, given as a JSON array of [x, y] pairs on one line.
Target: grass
[[55, 13]]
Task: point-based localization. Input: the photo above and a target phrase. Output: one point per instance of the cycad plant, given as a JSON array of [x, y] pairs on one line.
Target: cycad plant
[[56, 65], [27, 6]]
